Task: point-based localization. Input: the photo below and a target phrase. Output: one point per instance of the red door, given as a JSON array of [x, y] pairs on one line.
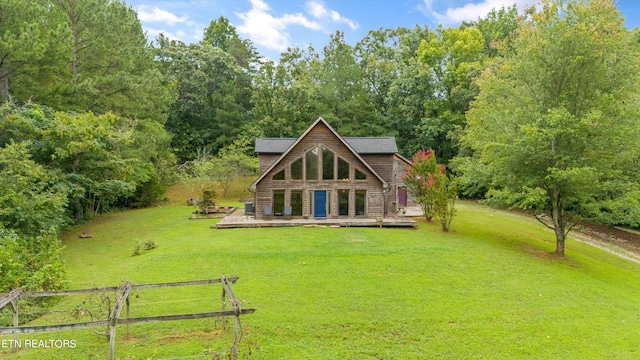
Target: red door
[[402, 196]]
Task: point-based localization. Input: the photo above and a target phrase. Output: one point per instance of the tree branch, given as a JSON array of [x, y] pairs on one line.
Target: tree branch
[[542, 222]]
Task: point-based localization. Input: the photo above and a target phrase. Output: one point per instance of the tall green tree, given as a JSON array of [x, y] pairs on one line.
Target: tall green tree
[[109, 64], [556, 119], [340, 90], [282, 96], [23, 34], [76, 55], [208, 109], [398, 84], [497, 26], [455, 56]]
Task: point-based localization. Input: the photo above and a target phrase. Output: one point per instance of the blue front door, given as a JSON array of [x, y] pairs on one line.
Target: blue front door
[[320, 204]]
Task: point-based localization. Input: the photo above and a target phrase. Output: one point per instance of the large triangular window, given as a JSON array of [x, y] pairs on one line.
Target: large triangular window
[[296, 170], [343, 169], [327, 164], [311, 159], [279, 175]]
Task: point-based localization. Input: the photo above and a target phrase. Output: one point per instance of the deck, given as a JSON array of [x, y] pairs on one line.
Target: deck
[[242, 221]]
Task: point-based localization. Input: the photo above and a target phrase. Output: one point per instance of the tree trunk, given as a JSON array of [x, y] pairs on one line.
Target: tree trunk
[[558, 223], [79, 213], [4, 84]]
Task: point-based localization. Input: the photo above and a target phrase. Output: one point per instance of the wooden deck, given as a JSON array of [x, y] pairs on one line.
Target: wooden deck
[[242, 221]]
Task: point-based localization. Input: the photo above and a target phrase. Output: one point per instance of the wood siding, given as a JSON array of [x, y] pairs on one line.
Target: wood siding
[[267, 160], [383, 164]]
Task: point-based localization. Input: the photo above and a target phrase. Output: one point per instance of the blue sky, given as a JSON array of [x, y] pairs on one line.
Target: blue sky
[[274, 25]]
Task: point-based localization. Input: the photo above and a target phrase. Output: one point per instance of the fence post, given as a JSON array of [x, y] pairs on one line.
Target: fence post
[[14, 304], [223, 279], [128, 325], [123, 296]]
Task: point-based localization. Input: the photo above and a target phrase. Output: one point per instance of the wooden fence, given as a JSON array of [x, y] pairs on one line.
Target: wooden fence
[[122, 302]]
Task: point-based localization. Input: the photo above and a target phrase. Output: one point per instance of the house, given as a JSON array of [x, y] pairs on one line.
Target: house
[[324, 175]]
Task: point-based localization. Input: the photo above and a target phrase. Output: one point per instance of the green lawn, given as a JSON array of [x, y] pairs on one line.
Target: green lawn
[[489, 289]]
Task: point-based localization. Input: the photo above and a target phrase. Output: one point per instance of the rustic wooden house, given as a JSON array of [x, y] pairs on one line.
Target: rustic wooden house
[[324, 175]]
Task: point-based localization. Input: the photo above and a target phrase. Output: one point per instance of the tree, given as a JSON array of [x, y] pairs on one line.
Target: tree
[[556, 117], [339, 88], [21, 41], [282, 96], [208, 110], [196, 174], [497, 26], [32, 198], [109, 65], [89, 152], [428, 183], [32, 211], [232, 163], [455, 57], [77, 55]]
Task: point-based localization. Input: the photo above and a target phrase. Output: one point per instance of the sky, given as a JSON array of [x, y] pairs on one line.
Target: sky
[[274, 25]]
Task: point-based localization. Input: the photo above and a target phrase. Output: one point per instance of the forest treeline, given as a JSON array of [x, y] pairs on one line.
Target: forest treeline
[[95, 116]]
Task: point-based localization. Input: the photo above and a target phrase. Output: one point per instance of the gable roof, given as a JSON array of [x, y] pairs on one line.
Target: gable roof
[[273, 145], [283, 142], [402, 158], [373, 145], [361, 145]]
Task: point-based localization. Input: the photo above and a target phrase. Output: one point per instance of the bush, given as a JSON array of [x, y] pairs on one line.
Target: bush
[[30, 263], [428, 183]]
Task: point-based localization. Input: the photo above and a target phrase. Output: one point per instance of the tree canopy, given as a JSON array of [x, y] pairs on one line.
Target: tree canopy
[[555, 124]]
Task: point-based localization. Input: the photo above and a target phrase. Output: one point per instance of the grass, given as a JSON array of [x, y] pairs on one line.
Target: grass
[[488, 289]]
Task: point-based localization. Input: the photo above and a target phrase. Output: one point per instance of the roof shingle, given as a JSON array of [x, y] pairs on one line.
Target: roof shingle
[[361, 145]]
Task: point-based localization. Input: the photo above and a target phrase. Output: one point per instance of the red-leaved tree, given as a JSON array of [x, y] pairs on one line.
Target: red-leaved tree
[[428, 183]]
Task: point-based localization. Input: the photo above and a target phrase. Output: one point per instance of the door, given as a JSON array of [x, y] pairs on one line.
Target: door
[[402, 196], [320, 204]]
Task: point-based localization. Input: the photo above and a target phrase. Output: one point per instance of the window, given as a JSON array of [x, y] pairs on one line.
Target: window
[[311, 159], [296, 202], [361, 202], [296, 170], [343, 169], [278, 202], [279, 175], [327, 164], [343, 202], [360, 175]]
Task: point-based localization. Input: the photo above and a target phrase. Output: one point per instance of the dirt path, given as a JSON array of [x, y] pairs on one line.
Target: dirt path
[[611, 245]]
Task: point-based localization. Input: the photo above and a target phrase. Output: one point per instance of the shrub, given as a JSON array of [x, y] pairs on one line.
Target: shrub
[[428, 183]]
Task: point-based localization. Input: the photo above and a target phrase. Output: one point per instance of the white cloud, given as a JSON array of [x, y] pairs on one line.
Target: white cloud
[[316, 9], [186, 35], [176, 27], [472, 11], [270, 31], [319, 11], [159, 15], [153, 33]]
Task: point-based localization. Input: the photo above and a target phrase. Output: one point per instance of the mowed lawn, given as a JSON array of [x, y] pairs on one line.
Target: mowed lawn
[[489, 289]]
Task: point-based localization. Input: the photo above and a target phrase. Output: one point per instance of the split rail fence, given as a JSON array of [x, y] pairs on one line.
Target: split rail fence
[[122, 302]]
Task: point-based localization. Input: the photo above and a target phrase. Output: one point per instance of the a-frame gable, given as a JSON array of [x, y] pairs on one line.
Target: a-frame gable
[[316, 123]]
